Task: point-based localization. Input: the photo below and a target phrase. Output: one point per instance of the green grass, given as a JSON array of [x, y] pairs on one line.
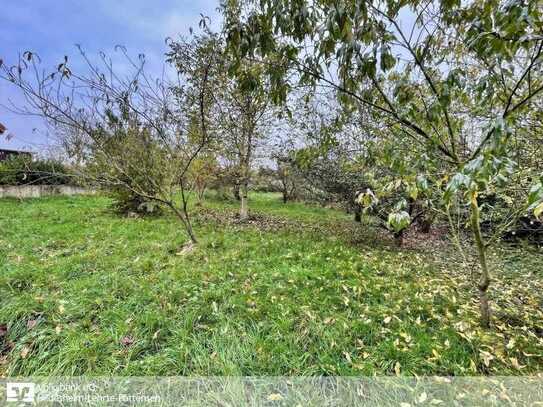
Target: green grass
[[301, 290]]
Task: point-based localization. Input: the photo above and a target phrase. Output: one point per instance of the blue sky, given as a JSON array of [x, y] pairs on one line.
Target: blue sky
[[52, 28]]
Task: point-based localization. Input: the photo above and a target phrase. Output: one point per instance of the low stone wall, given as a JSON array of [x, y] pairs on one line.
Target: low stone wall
[[37, 191]]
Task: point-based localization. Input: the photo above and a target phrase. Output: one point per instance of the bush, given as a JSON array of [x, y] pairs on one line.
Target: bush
[[126, 203], [21, 170], [137, 173]]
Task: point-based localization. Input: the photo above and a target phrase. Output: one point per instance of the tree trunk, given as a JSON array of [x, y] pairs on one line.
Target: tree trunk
[[191, 233], [235, 192], [184, 218], [358, 214], [426, 225], [201, 192], [398, 238], [244, 208], [484, 281]]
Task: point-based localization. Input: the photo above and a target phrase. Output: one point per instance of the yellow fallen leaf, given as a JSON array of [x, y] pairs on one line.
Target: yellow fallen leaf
[[515, 363], [275, 397], [487, 357], [387, 320], [422, 398], [25, 351]]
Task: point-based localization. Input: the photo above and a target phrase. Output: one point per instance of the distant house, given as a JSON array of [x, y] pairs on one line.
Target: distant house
[[5, 154]]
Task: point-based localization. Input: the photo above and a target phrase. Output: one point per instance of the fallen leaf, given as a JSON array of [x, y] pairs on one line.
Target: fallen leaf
[[275, 397], [515, 363], [387, 320], [422, 398], [58, 328], [186, 249], [127, 341], [25, 351], [31, 323], [397, 368], [487, 357]]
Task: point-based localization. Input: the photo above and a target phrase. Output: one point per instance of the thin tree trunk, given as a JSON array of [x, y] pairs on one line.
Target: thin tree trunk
[[284, 188], [244, 208], [398, 238], [358, 214], [191, 233], [184, 218], [426, 224], [200, 193], [285, 194], [235, 192], [484, 280], [245, 167]]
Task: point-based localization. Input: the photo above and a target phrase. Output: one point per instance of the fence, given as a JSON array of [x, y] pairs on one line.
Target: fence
[[37, 191]]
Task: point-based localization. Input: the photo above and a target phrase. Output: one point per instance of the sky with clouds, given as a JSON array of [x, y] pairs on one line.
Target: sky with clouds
[[52, 28]]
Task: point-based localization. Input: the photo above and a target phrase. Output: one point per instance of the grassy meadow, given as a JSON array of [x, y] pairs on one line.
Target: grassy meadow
[[297, 290]]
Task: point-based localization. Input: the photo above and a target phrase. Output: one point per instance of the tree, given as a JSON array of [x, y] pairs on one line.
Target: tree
[[242, 117], [127, 133], [289, 177], [455, 78], [203, 173]]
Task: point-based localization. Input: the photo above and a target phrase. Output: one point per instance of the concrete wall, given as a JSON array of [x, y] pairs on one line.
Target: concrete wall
[[36, 191]]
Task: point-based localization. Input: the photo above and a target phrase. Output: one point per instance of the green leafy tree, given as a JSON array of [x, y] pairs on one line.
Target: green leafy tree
[[456, 78], [237, 111]]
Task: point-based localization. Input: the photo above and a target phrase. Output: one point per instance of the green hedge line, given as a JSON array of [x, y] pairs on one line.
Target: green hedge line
[[21, 170]]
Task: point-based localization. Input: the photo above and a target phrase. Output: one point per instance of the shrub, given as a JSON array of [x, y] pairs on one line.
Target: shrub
[[21, 170], [126, 202]]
